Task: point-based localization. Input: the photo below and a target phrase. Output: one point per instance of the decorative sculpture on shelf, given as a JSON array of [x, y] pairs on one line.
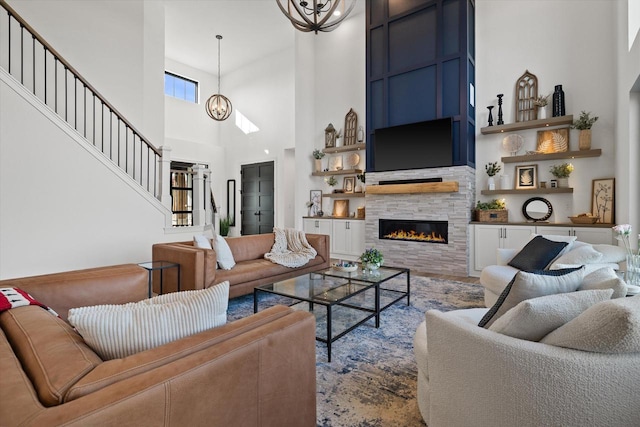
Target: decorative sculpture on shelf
[[490, 107], [526, 94], [350, 128], [500, 121], [330, 136]]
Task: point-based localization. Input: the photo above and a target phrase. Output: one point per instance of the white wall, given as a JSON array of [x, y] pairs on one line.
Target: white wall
[[340, 76], [627, 109], [62, 207], [561, 44]]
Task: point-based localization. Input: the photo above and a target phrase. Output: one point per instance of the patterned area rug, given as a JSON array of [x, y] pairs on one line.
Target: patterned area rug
[[371, 380]]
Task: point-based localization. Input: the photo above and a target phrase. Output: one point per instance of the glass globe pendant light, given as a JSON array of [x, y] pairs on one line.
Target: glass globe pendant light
[[218, 106]]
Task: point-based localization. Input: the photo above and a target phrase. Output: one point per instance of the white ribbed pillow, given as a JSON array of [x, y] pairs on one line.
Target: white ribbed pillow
[[116, 331]]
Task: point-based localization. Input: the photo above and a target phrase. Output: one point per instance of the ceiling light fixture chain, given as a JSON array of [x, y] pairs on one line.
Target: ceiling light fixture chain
[[218, 106], [317, 15]]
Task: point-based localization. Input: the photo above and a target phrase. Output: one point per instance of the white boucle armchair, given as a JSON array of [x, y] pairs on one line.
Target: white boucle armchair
[[471, 376], [496, 277]]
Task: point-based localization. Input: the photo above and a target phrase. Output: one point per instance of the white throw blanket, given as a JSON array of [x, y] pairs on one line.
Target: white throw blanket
[[291, 248]]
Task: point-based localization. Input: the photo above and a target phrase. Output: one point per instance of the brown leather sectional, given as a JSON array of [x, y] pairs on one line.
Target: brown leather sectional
[[257, 371], [198, 266]]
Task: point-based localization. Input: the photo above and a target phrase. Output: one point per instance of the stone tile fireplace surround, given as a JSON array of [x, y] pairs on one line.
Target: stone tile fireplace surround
[[454, 207]]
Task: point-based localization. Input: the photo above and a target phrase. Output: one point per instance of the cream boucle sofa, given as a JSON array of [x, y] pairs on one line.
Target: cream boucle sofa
[[471, 376]]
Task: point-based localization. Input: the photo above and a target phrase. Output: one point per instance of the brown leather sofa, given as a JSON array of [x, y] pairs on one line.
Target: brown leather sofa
[[198, 266], [257, 371]]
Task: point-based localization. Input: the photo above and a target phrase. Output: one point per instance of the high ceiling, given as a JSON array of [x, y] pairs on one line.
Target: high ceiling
[[250, 29]]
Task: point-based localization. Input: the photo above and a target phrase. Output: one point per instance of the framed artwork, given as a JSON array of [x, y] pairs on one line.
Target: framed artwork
[[603, 194], [350, 127], [315, 199], [335, 163], [349, 184], [553, 141], [526, 177], [341, 208]]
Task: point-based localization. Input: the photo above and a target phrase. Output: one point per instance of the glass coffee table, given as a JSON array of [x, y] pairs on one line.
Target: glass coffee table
[[346, 299]]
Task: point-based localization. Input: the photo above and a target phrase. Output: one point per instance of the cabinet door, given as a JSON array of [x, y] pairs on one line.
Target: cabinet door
[[595, 236], [356, 230], [309, 226], [487, 240], [516, 236], [340, 243], [554, 231]]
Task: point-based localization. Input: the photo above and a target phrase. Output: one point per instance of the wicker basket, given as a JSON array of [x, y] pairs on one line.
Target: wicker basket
[[492, 215]]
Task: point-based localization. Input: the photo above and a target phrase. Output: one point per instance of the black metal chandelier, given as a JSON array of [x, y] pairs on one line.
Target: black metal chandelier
[[316, 15], [218, 106]]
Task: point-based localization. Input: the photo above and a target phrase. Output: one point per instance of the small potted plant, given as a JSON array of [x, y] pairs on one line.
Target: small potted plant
[[584, 124], [225, 223], [541, 101], [331, 180], [562, 172], [492, 211], [318, 155], [492, 168], [371, 259]]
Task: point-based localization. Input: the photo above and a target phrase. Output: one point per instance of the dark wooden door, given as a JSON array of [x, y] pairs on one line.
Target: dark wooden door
[[256, 208]]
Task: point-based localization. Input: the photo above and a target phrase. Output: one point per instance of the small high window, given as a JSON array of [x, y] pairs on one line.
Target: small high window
[[180, 87]]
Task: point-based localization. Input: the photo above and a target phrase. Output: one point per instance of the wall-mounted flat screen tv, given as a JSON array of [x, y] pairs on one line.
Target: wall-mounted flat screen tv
[[419, 145]]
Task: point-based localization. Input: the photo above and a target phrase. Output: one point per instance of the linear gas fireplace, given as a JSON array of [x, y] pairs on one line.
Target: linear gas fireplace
[[414, 230]]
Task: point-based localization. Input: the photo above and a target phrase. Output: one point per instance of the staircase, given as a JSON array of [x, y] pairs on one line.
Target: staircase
[[32, 62]]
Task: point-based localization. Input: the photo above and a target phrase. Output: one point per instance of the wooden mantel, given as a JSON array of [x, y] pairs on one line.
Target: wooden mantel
[[425, 187]]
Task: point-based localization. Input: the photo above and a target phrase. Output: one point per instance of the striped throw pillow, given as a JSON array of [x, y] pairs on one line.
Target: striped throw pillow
[[116, 331]]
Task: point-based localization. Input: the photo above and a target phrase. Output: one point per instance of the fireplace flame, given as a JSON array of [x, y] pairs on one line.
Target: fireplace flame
[[413, 235]]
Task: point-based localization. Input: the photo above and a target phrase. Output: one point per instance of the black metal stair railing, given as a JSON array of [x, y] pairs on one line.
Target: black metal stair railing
[[26, 56]]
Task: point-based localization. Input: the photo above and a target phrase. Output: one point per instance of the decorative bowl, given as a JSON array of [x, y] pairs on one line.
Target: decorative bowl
[[346, 269], [583, 219]]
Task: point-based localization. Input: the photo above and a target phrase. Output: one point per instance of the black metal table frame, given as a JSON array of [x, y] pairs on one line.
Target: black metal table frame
[[152, 266], [367, 284]]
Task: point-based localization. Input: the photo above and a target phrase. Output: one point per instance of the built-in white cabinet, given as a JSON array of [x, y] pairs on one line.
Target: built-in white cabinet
[[348, 239], [488, 238], [591, 235], [317, 226], [346, 235]]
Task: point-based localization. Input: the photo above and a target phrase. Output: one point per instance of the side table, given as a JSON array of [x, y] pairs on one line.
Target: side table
[[152, 266]]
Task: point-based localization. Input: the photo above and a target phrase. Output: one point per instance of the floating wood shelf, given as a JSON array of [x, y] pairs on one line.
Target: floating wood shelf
[[596, 152], [340, 172], [342, 195], [345, 148], [555, 190], [425, 187], [531, 124]]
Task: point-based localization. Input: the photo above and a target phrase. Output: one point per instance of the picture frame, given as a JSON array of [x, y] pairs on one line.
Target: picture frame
[[335, 163], [341, 208], [315, 199], [553, 141], [603, 200], [349, 184], [526, 177]]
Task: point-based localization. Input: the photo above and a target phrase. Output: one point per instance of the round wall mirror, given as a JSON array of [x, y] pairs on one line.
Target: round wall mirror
[[537, 209]]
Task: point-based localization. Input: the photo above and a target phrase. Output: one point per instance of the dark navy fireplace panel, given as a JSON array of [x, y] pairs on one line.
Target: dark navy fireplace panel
[[414, 230]]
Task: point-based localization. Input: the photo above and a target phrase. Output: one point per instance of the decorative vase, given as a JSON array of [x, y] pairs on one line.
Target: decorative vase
[[491, 183], [318, 165], [632, 276], [542, 113], [558, 102], [505, 182], [584, 140], [370, 266], [563, 182]]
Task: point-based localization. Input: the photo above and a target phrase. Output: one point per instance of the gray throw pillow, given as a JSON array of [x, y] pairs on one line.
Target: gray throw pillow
[[527, 285]]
